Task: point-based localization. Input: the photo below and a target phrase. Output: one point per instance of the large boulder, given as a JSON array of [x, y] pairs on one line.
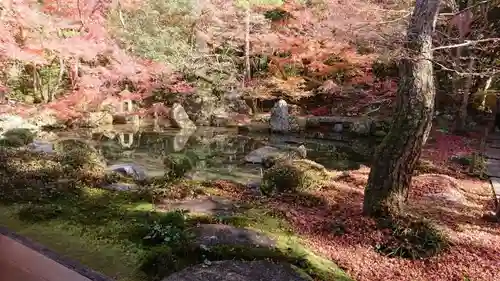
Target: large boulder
[[200, 107], [280, 121], [294, 175], [179, 117], [213, 235], [232, 270]]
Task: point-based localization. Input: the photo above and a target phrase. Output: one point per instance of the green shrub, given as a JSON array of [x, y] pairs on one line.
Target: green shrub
[[411, 238], [38, 213], [177, 165], [81, 160], [169, 229], [17, 137], [277, 14], [293, 175]]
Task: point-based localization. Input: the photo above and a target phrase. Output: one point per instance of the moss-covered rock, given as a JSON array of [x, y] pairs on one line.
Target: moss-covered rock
[[294, 175], [279, 157]]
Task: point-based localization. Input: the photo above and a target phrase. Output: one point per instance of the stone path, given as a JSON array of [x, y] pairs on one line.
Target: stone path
[[492, 153]]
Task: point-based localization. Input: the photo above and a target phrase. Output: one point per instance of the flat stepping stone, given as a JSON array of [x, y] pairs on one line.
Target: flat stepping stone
[[493, 167], [239, 271], [210, 205], [493, 137], [492, 152], [209, 235], [495, 185]]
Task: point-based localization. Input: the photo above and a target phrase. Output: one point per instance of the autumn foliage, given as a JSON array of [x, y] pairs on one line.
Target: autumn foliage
[[69, 53], [72, 37]]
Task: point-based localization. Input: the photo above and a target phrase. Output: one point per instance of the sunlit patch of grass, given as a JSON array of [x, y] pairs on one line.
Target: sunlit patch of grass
[[116, 259]]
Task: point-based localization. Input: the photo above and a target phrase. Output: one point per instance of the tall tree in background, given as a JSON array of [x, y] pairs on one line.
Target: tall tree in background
[[397, 156]]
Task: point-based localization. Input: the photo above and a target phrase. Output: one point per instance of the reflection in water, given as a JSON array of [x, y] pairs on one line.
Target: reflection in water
[[216, 154], [126, 140]]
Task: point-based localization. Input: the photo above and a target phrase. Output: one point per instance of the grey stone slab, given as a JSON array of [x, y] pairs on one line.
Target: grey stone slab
[[211, 205], [495, 185], [494, 142], [232, 270], [210, 235], [495, 136], [493, 167], [492, 152], [493, 170]]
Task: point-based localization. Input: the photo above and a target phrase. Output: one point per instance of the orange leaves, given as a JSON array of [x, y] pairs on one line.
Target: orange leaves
[[34, 51]]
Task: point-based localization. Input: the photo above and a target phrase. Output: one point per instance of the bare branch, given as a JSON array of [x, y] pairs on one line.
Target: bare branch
[[466, 43], [466, 9], [460, 73]]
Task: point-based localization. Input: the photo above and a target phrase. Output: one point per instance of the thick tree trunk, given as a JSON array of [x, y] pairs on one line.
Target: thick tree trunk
[[397, 156]]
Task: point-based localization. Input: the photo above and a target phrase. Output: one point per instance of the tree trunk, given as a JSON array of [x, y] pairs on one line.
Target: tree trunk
[[461, 115], [397, 156]]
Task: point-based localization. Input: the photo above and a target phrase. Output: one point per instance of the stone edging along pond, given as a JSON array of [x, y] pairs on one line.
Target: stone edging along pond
[[326, 127], [19, 244]]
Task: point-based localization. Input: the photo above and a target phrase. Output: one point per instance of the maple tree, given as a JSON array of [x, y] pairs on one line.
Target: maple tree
[[58, 49]]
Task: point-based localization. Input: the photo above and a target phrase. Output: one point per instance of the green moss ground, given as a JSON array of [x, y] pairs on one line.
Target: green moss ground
[[119, 233]]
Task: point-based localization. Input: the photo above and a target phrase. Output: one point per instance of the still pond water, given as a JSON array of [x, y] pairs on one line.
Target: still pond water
[[218, 153]]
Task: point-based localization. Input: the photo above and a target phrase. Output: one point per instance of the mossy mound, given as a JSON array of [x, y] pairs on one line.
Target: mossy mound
[[25, 171], [17, 138], [294, 175], [411, 237], [28, 176], [81, 157]]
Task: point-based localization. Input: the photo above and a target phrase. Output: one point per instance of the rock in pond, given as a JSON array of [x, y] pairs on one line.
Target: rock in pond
[[232, 270], [40, 146], [129, 169], [259, 155], [280, 121]]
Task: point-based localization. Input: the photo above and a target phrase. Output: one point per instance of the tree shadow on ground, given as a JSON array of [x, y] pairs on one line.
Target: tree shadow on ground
[[331, 218], [42, 195]]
